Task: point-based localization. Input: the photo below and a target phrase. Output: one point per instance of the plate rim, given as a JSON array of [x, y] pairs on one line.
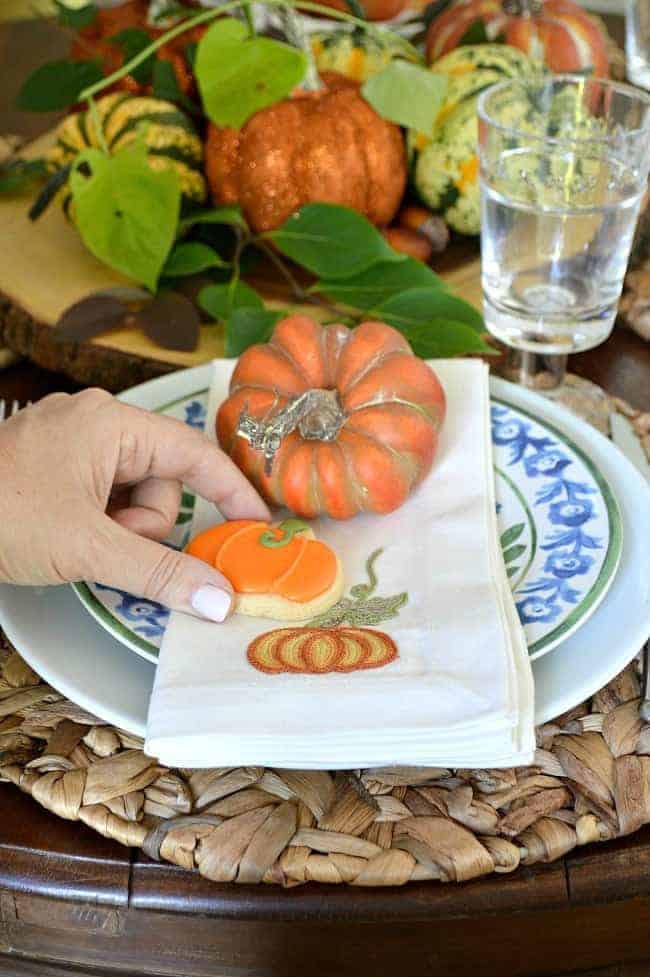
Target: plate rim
[[542, 646], [602, 583]]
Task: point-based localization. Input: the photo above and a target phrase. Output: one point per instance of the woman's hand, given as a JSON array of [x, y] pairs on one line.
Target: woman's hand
[[87, 484]]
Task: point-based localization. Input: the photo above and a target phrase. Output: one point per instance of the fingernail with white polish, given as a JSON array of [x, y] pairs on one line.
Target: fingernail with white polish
[[212, 602]]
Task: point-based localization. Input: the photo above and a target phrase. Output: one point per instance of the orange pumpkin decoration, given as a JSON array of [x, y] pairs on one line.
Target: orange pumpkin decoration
[[328, 146], [275, 571], [369, 415], [316, 651], [373, 9], [94, 41], [558, 32]]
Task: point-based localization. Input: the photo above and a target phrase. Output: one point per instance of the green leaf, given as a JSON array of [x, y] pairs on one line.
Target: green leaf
[[19, 174], [332, 241], [407, 94], [475, 34], [416, 306], [356, 9], [76, 18], [126, 213], [220, 301], [132, 41], [165, 86], [57, 85], [219, 215], [510, 571], [247, 326], [190, 257], [511, 534], [237, 75], [513, 553], [190, 53], [441, 338], [379, 283]]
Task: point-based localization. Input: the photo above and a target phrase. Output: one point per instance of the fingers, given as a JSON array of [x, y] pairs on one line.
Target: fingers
[[151, 508], [149, 569], [164, 448]]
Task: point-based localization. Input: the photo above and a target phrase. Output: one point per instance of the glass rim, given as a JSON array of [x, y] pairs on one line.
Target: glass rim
[[617, 86]]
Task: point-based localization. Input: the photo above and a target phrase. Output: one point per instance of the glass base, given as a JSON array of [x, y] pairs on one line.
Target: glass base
[[551, 334], [537, 371]]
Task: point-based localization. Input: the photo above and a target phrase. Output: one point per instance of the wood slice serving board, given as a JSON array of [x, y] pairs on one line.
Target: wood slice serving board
[[45, 267]]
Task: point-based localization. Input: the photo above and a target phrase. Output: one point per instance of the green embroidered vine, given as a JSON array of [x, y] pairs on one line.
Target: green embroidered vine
[[289, 528], [361, 608]]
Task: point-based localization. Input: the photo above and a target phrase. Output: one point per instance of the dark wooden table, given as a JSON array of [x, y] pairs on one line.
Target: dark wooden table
[[73, 903]]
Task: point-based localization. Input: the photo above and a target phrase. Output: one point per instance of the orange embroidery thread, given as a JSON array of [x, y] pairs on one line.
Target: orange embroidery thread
[[317, 651]]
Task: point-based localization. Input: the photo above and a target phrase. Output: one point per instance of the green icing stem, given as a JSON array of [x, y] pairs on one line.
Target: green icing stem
[[289, 528]]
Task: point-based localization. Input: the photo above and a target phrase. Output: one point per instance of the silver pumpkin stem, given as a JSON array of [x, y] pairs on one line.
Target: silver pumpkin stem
[[316, 413], [523, 8]]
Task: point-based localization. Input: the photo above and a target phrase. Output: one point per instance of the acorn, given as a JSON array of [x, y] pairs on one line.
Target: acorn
[[408, 242], [429, 225]]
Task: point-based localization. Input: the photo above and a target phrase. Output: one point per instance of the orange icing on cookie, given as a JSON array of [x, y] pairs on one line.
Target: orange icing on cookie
[[300, 570]]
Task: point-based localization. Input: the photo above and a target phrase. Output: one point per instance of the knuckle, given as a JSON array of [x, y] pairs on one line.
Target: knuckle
[[162, 574], [93, 397]]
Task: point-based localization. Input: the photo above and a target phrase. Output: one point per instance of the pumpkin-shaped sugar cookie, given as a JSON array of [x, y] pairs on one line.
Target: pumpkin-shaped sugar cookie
[[281, 572]]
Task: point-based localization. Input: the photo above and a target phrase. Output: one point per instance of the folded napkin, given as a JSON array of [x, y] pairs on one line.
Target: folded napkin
[[460, 691]]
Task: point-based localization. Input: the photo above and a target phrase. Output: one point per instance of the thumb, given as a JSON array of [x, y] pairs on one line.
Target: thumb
[[149, 569]]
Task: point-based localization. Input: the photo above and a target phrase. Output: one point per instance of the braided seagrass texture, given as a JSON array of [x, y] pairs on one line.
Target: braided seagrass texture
[[590, 782]]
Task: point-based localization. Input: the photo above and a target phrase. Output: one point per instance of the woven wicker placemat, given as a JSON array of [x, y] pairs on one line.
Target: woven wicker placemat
[[590, 782]]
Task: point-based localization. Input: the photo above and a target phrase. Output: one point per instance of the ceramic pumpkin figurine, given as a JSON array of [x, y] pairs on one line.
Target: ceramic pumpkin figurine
[[558, 32], [281, 572], [328, 420], [327, 145]]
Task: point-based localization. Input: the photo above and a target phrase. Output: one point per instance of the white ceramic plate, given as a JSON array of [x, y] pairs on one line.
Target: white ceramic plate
[[560, 527], [66, 647]]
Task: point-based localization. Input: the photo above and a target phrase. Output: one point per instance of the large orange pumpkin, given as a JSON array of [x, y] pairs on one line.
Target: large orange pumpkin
[[328, 146], [370, 412], [558, 32]]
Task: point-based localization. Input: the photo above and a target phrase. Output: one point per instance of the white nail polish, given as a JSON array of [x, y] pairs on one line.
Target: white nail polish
[[212, 602]]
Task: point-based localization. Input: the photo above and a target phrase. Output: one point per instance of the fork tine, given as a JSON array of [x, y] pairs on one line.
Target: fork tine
[[2, 410], [15, 407]]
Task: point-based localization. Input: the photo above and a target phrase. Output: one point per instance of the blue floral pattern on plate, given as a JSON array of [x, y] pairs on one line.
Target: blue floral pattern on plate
[[555, 518]]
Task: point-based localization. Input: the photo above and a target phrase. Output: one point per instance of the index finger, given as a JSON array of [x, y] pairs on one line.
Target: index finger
[[152, 445]]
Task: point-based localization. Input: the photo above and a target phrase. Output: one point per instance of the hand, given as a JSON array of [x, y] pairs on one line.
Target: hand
[[87, 486]]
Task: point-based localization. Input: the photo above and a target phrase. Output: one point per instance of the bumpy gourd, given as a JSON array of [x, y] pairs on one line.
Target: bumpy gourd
[[355, 54], [373, 431], [445, 166]]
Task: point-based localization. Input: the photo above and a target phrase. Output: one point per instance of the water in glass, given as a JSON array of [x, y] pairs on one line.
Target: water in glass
[[562, 180]]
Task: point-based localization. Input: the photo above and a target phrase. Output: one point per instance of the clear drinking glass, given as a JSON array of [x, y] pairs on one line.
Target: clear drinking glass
[[564, 165], [637, 41]]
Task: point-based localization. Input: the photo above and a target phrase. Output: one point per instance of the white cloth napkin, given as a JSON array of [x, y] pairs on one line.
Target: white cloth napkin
[[459, 694]]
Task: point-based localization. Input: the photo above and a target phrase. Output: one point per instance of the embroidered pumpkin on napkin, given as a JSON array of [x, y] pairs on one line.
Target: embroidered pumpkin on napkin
[[332, 421], [282, 572]]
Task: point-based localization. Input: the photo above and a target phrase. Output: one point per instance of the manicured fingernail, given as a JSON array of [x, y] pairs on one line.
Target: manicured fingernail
[[212, 602]]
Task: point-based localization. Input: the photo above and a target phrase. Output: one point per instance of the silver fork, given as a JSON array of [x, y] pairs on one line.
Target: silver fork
[[6, 412]]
